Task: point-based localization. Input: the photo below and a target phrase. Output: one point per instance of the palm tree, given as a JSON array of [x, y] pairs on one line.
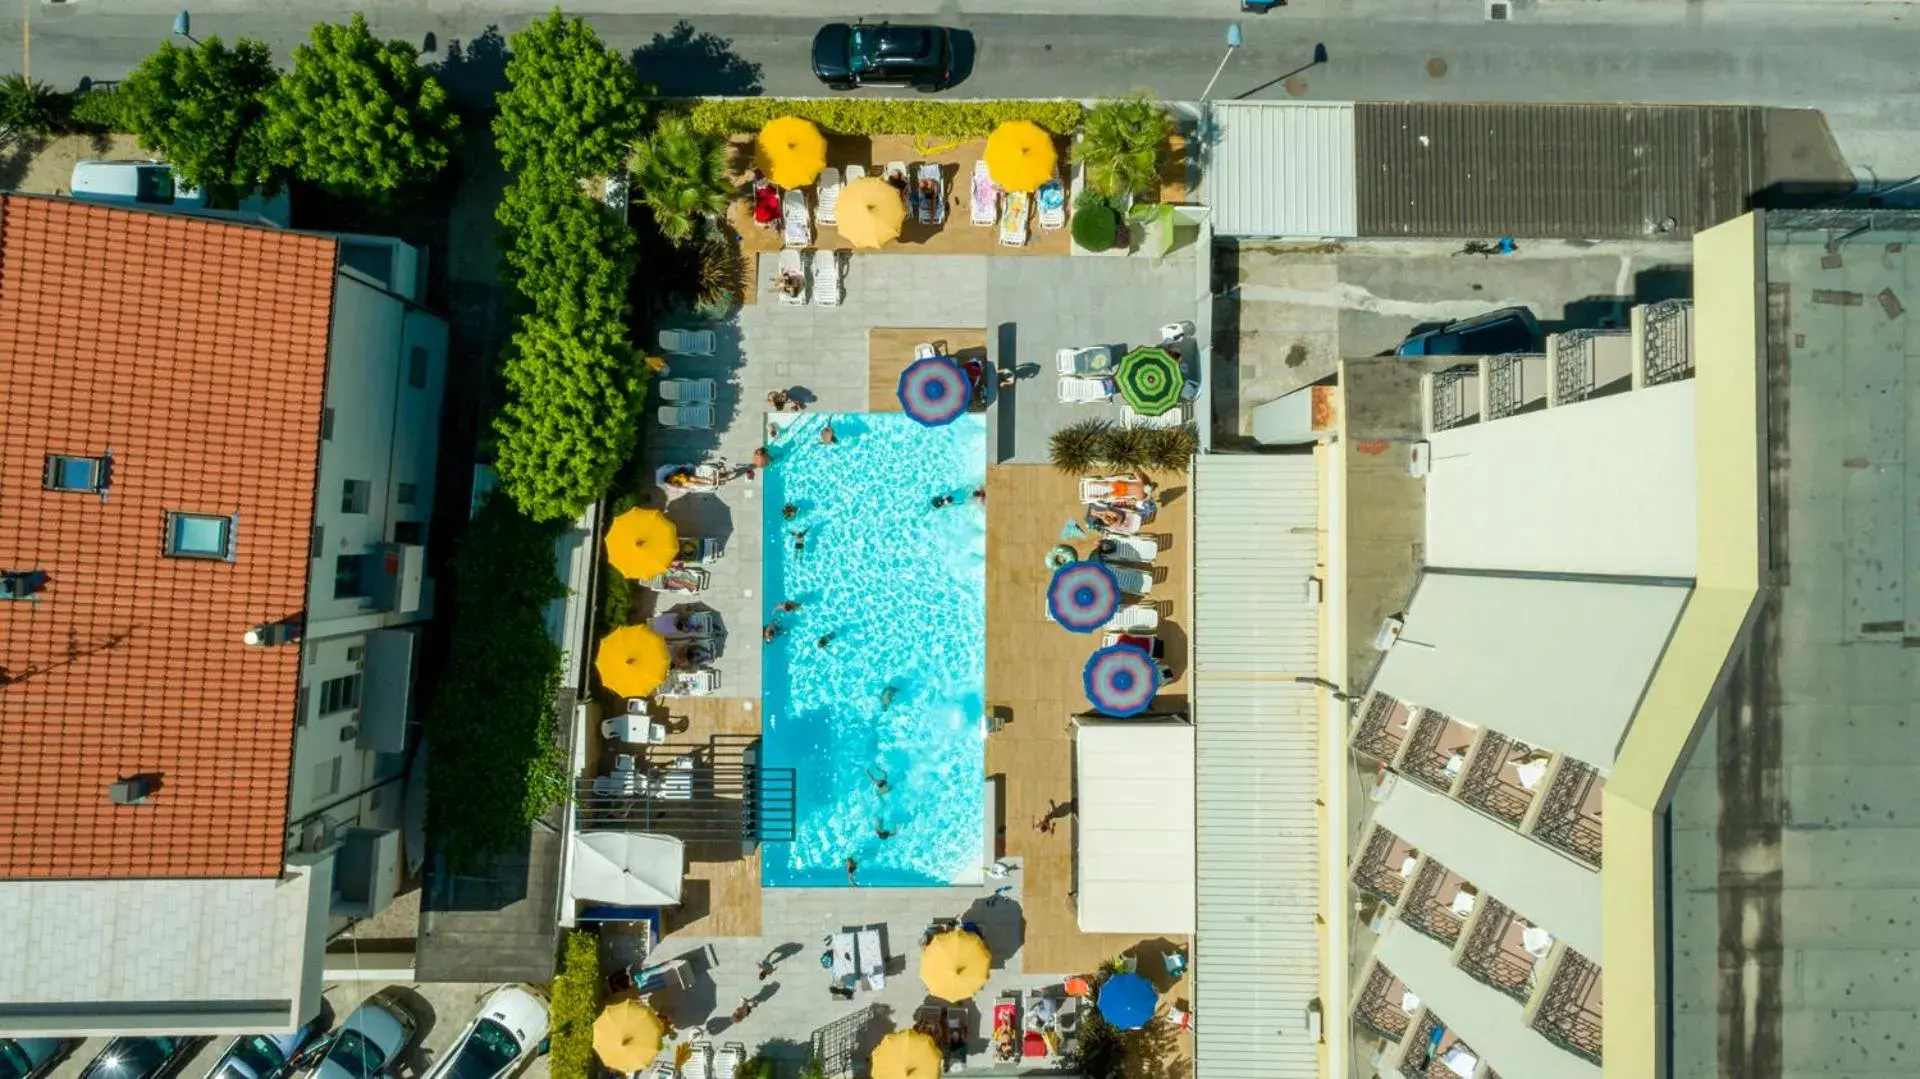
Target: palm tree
[[1124, 449], [1075, 448], [681, 175], [27, 110], [1123, 143], [1169, 449]]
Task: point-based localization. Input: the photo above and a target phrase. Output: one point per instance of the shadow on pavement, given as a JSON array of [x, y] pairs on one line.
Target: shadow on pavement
[[475, 71], [694, 63]]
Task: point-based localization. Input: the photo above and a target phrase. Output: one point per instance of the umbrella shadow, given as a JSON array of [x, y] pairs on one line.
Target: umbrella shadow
[[1002, 923], [702, 514]]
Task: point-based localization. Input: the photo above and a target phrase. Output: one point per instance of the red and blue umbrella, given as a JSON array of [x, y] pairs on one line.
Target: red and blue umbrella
[[934, 390], [1122, 680], [1083, 596], [1127, 1001]]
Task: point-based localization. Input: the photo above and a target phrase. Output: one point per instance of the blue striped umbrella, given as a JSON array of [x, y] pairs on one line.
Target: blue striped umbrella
[[1121, 680], [1127, 1001], [1083, 596], [934, 390]]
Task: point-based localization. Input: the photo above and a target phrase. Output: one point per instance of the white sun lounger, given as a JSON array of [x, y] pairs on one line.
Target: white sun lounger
[[686, 391], [1131, 523], [1092, 360], [633, 730], [691, 417], [829, 195], [826, 279], [675, 784], [705, 477], [700, 623], [986, 196], [793, 211], [1085, 390], [1051, 200], [1134, 582], [1135, 618], [699, 1063], [1143, 549], [687, 342], [896, 168], [933, 211], [726, 1062], [791, 263], [845, 971], [1013, 221], [679, 580], [872, 958], [1172, 417], [697, 683], [856, 172]]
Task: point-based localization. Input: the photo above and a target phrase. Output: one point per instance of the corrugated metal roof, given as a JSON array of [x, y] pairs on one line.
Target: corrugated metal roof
[[1571, 171], [1282, 169], [1256, 952]]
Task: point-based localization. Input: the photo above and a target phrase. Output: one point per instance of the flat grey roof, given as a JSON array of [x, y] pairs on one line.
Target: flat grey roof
[[1569, 171]]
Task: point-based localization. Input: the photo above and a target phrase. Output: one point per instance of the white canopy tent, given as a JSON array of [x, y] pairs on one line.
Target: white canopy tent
[[629, 869], [1134, 788]]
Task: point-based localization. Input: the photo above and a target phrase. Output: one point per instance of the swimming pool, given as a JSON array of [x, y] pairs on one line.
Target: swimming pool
[[898, 588]]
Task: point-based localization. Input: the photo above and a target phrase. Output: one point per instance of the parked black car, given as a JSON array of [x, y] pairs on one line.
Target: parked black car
[[142, 1058], [1496, 333], [28, 1058], [883, 54]]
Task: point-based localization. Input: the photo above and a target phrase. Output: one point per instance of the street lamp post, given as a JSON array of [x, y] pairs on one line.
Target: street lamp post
[[183, 26], [1233, 42]]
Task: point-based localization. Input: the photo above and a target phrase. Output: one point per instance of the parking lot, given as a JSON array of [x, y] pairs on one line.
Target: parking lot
[[1288, 313], [442, 1010]]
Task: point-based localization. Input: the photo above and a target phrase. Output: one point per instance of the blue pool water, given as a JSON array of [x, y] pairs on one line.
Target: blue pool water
[[898, 691]]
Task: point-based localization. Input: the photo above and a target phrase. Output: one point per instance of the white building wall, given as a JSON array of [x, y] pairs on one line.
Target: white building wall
[[1602, 487]]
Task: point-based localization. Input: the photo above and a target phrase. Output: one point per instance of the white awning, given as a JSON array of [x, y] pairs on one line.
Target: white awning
[[1134, 787], [1282, 169], [629, 869]]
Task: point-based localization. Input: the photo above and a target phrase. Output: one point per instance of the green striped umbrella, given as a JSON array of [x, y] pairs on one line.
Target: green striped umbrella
[[1149, 379]]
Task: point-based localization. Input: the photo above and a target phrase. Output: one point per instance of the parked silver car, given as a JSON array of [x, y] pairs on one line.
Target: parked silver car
[[369, 1042]]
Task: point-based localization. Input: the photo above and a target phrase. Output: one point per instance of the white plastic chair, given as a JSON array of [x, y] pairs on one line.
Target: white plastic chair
[[829, 195], [856, 172], [1175, 331], [1136, 618], [700, 683], [793, 211], [687, 342], [686, 391], [726, 1062], [925, 351], [1092, 360], [826, 279], [693, 417], [1079, 390]]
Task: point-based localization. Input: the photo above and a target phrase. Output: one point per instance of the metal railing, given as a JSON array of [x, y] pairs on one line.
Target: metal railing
[[1485, 958], [1374, 736], [1563, 1017], [1485, 787], [725, 795], [1503, 386], [1573, 366], [1562, 822], [1373, 875], [1667, 342], [1423, 909], [1377, 1010], [1414, 1062], [1450, 405], [1422, 759]]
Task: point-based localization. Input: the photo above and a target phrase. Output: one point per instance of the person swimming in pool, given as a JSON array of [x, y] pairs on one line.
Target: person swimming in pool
[[942, 500], [886, 697], [800, 541], [788, 607], [827, 437], [824, 640], [880, 785], [852, 868]]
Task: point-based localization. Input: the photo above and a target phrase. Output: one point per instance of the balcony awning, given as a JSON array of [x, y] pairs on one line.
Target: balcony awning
[[1135, 832]]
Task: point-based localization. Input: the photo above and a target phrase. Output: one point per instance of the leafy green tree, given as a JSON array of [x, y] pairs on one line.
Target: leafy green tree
[[201, 108], [681, 174], [359, 116], [28, 110], [568, 258], [572, 106], [1123, 144], [572, 417]]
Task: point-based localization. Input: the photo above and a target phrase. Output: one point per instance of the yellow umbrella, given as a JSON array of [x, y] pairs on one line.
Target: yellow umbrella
[[1020, 155], [870, 212], [627, 1035], [642, 544], [954, 965], [906, 1054], [790, 151], [632, 661]]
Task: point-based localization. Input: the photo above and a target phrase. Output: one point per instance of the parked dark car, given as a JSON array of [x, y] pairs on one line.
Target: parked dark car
[[142, 1058], [883, 54], [1496, 333], [266, 1056], [29, 1058]]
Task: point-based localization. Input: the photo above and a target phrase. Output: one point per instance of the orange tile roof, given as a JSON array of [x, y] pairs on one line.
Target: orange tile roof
[[196, 352]]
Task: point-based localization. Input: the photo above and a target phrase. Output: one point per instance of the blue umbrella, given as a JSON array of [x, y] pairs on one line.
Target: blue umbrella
[[1083, 596], [1127, 1001], [934, 390], [1122, 680]]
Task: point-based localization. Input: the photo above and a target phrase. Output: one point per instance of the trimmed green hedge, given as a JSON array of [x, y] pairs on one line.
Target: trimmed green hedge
[[573, 1004], [885, 116]]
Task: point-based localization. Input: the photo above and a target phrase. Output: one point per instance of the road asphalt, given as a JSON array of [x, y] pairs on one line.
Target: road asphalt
[[1852, 60]]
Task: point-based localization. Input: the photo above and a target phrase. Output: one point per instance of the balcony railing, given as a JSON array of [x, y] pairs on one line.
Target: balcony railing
[[1425, 759], [1564, 820], [1425, 909], [1379, 734], [1377, 874], [1668, 341], [1379, 1007], [1415, 1061], [1487, 785], [1490, 954], [1569, 1015], [1456, 396]]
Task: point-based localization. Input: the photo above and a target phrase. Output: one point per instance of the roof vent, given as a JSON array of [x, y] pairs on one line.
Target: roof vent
[[133, 790], [273, 634]]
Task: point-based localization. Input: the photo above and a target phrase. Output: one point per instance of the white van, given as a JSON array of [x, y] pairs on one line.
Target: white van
[[151, 184]]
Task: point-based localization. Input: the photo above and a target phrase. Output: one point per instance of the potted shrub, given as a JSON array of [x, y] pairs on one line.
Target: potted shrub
[[1096, 227]]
